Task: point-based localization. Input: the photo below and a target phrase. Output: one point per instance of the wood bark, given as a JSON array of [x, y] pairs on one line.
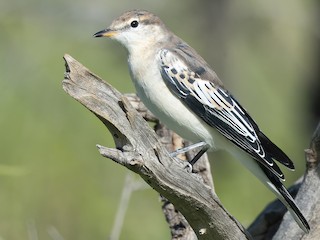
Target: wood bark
[[189, 197]]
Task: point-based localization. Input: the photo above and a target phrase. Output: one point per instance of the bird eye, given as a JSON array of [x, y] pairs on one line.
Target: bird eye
[[134, 24]]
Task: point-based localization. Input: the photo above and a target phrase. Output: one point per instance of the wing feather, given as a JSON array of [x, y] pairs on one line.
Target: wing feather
[[219, 109]]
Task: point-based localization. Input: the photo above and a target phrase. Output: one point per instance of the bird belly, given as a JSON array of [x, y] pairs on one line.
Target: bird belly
[[170, 110]]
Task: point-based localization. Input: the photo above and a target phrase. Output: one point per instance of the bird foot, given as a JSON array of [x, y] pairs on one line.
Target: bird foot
[[188, 167]]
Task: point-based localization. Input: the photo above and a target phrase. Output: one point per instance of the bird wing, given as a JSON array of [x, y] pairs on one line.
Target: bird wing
[[213, 104]]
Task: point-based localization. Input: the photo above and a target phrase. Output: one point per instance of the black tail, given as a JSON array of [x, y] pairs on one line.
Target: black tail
[[295, 211], [287, 200]]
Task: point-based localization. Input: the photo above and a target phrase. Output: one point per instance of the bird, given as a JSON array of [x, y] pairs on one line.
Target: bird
[[180, 88]]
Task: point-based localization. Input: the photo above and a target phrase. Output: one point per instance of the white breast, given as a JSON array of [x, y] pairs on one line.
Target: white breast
[[164, 105]]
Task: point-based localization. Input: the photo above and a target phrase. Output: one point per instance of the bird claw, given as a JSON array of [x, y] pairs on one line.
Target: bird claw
[[188, 167], [185, 164]]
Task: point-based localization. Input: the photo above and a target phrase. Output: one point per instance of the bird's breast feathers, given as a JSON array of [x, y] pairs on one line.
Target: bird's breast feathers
[[164, 104]]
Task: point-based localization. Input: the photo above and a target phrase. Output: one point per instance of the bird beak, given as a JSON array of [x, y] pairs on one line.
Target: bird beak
[[105, 33]]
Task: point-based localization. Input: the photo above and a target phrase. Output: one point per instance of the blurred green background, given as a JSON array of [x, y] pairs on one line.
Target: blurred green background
[[53, 182]]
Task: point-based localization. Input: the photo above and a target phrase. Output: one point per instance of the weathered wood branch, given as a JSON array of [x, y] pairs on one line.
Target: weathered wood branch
[[179, 227], [139, 149]]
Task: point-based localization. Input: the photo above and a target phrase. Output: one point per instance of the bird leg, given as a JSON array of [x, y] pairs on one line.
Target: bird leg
[[199, 154], [187, 149], [204, 147]]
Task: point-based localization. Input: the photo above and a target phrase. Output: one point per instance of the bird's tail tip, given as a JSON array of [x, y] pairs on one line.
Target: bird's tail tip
[[300, 219], [294, 209]]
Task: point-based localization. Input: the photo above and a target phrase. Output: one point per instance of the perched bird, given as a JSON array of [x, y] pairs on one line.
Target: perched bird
[[179, 87]]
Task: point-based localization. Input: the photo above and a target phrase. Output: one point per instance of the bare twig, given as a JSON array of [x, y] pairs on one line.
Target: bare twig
[[130, 185], [32, 230], [54, 233]]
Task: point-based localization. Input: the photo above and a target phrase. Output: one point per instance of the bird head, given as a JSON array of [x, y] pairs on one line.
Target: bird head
[[136, 28]]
